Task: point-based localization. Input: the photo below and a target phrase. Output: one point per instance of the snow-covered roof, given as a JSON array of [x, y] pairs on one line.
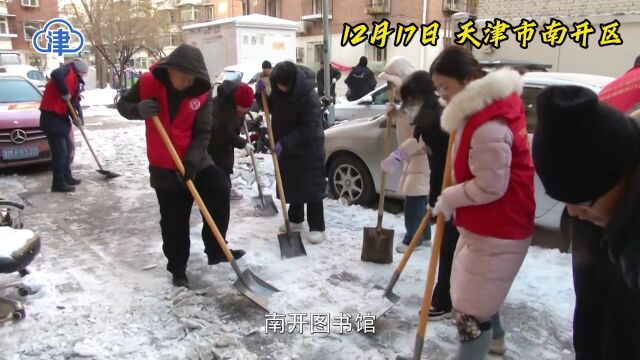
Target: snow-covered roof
[[248, 20]]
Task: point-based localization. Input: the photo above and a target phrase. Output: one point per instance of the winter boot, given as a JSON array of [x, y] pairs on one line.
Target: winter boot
[[180, 279], [316, 237], [72, 181], [237, 254], [498, 346], [62, 186], [436, 314], [292, 225]]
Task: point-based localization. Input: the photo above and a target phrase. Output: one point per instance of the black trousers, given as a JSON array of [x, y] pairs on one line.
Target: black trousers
[[175, 210], [441, 296], [61, 149], [315, 215], [606, 319]]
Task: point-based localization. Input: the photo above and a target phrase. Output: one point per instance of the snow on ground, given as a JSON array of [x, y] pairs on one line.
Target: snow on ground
[[105, 294]]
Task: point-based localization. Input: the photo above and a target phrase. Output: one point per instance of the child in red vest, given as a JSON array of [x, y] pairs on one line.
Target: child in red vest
[[178, 91], [492, 198]]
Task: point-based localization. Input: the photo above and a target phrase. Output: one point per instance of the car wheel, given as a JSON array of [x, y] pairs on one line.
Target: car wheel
[[349, 178]]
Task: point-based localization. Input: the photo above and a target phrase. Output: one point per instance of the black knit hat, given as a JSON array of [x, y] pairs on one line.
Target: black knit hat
[[284, 73], [581, 147]]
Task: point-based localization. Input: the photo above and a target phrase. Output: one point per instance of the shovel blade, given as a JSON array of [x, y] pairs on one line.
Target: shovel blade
[[265, 207], [393, 297], [377, 245], [107, 173], [375, 303], [255, 289], [291, 245]]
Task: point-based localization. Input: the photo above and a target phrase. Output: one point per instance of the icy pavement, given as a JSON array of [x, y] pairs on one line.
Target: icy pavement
[[105, 293]]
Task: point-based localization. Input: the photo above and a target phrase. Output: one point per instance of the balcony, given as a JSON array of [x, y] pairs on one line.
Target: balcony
[[312, 10], [378, 7]]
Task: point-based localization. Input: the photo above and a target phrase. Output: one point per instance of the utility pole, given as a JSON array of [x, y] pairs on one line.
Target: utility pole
[[326, 47]]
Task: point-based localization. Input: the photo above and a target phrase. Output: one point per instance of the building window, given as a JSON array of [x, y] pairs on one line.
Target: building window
[[191, 13], [208, 12], [4, 25], [30, 3], [317, 51], [375, 54], [245, 8], [30, 28], [273, 8], [316, 7]]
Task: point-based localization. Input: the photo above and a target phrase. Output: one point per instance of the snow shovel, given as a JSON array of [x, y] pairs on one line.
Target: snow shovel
[[433, 264], [107, 173], [381, 299], [264, 205], [290, 242], [248, 284], [377, 242]]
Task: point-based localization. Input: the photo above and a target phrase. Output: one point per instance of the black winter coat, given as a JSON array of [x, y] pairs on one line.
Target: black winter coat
[[297, 125], [428, 127], [189, 60], [333, 74], [360, 81], [225, 134], [606, 275]]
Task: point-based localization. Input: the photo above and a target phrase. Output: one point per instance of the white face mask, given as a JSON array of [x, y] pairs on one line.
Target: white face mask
[[412, 111]]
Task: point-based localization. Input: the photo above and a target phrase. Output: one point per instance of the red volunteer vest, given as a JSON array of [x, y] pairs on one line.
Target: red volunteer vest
[[510, 217], [52, 99], [179, 129], [623, 93]]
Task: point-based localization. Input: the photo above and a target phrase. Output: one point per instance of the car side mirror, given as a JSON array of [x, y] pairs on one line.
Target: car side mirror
[[366, 100]]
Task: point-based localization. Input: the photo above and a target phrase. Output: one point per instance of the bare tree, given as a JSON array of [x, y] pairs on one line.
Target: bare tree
[[117, 29]]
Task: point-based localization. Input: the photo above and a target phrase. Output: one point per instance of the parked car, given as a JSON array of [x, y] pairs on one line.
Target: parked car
[[354, 150], [21, 140], [246, 73], [29, 72], [373, 103]]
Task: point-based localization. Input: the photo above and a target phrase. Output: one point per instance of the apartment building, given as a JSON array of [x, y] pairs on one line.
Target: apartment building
[[19, 20]]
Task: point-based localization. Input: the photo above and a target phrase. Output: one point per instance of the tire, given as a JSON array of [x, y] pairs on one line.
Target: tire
[[349, 178]]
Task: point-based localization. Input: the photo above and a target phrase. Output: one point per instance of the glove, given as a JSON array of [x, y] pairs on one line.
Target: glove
[[76, 121], [442, 208], [278, 149], [260, 86], [392, 161], [66, 97], [334, 80], [434, 218], [391, 108], [189, 171], [248, 148], [148, 108]]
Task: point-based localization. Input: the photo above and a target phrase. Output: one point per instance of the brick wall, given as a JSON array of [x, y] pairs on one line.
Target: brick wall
[[46, 10], [520, 8]]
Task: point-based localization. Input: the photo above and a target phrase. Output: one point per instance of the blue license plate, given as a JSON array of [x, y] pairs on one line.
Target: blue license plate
[[17, 153]]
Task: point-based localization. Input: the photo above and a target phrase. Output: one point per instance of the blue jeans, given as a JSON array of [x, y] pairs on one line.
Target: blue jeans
[[414, 209], [61, 149]]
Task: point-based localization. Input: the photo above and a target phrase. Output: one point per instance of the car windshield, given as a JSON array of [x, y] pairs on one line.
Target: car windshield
[[232, 76], [35, 75], [9, 59], [17, 90]]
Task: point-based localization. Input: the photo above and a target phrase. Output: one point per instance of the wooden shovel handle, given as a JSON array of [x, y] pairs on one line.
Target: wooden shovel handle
[[75, 118], [192, 188], [276, 164], [387, 149], [435, 250]]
